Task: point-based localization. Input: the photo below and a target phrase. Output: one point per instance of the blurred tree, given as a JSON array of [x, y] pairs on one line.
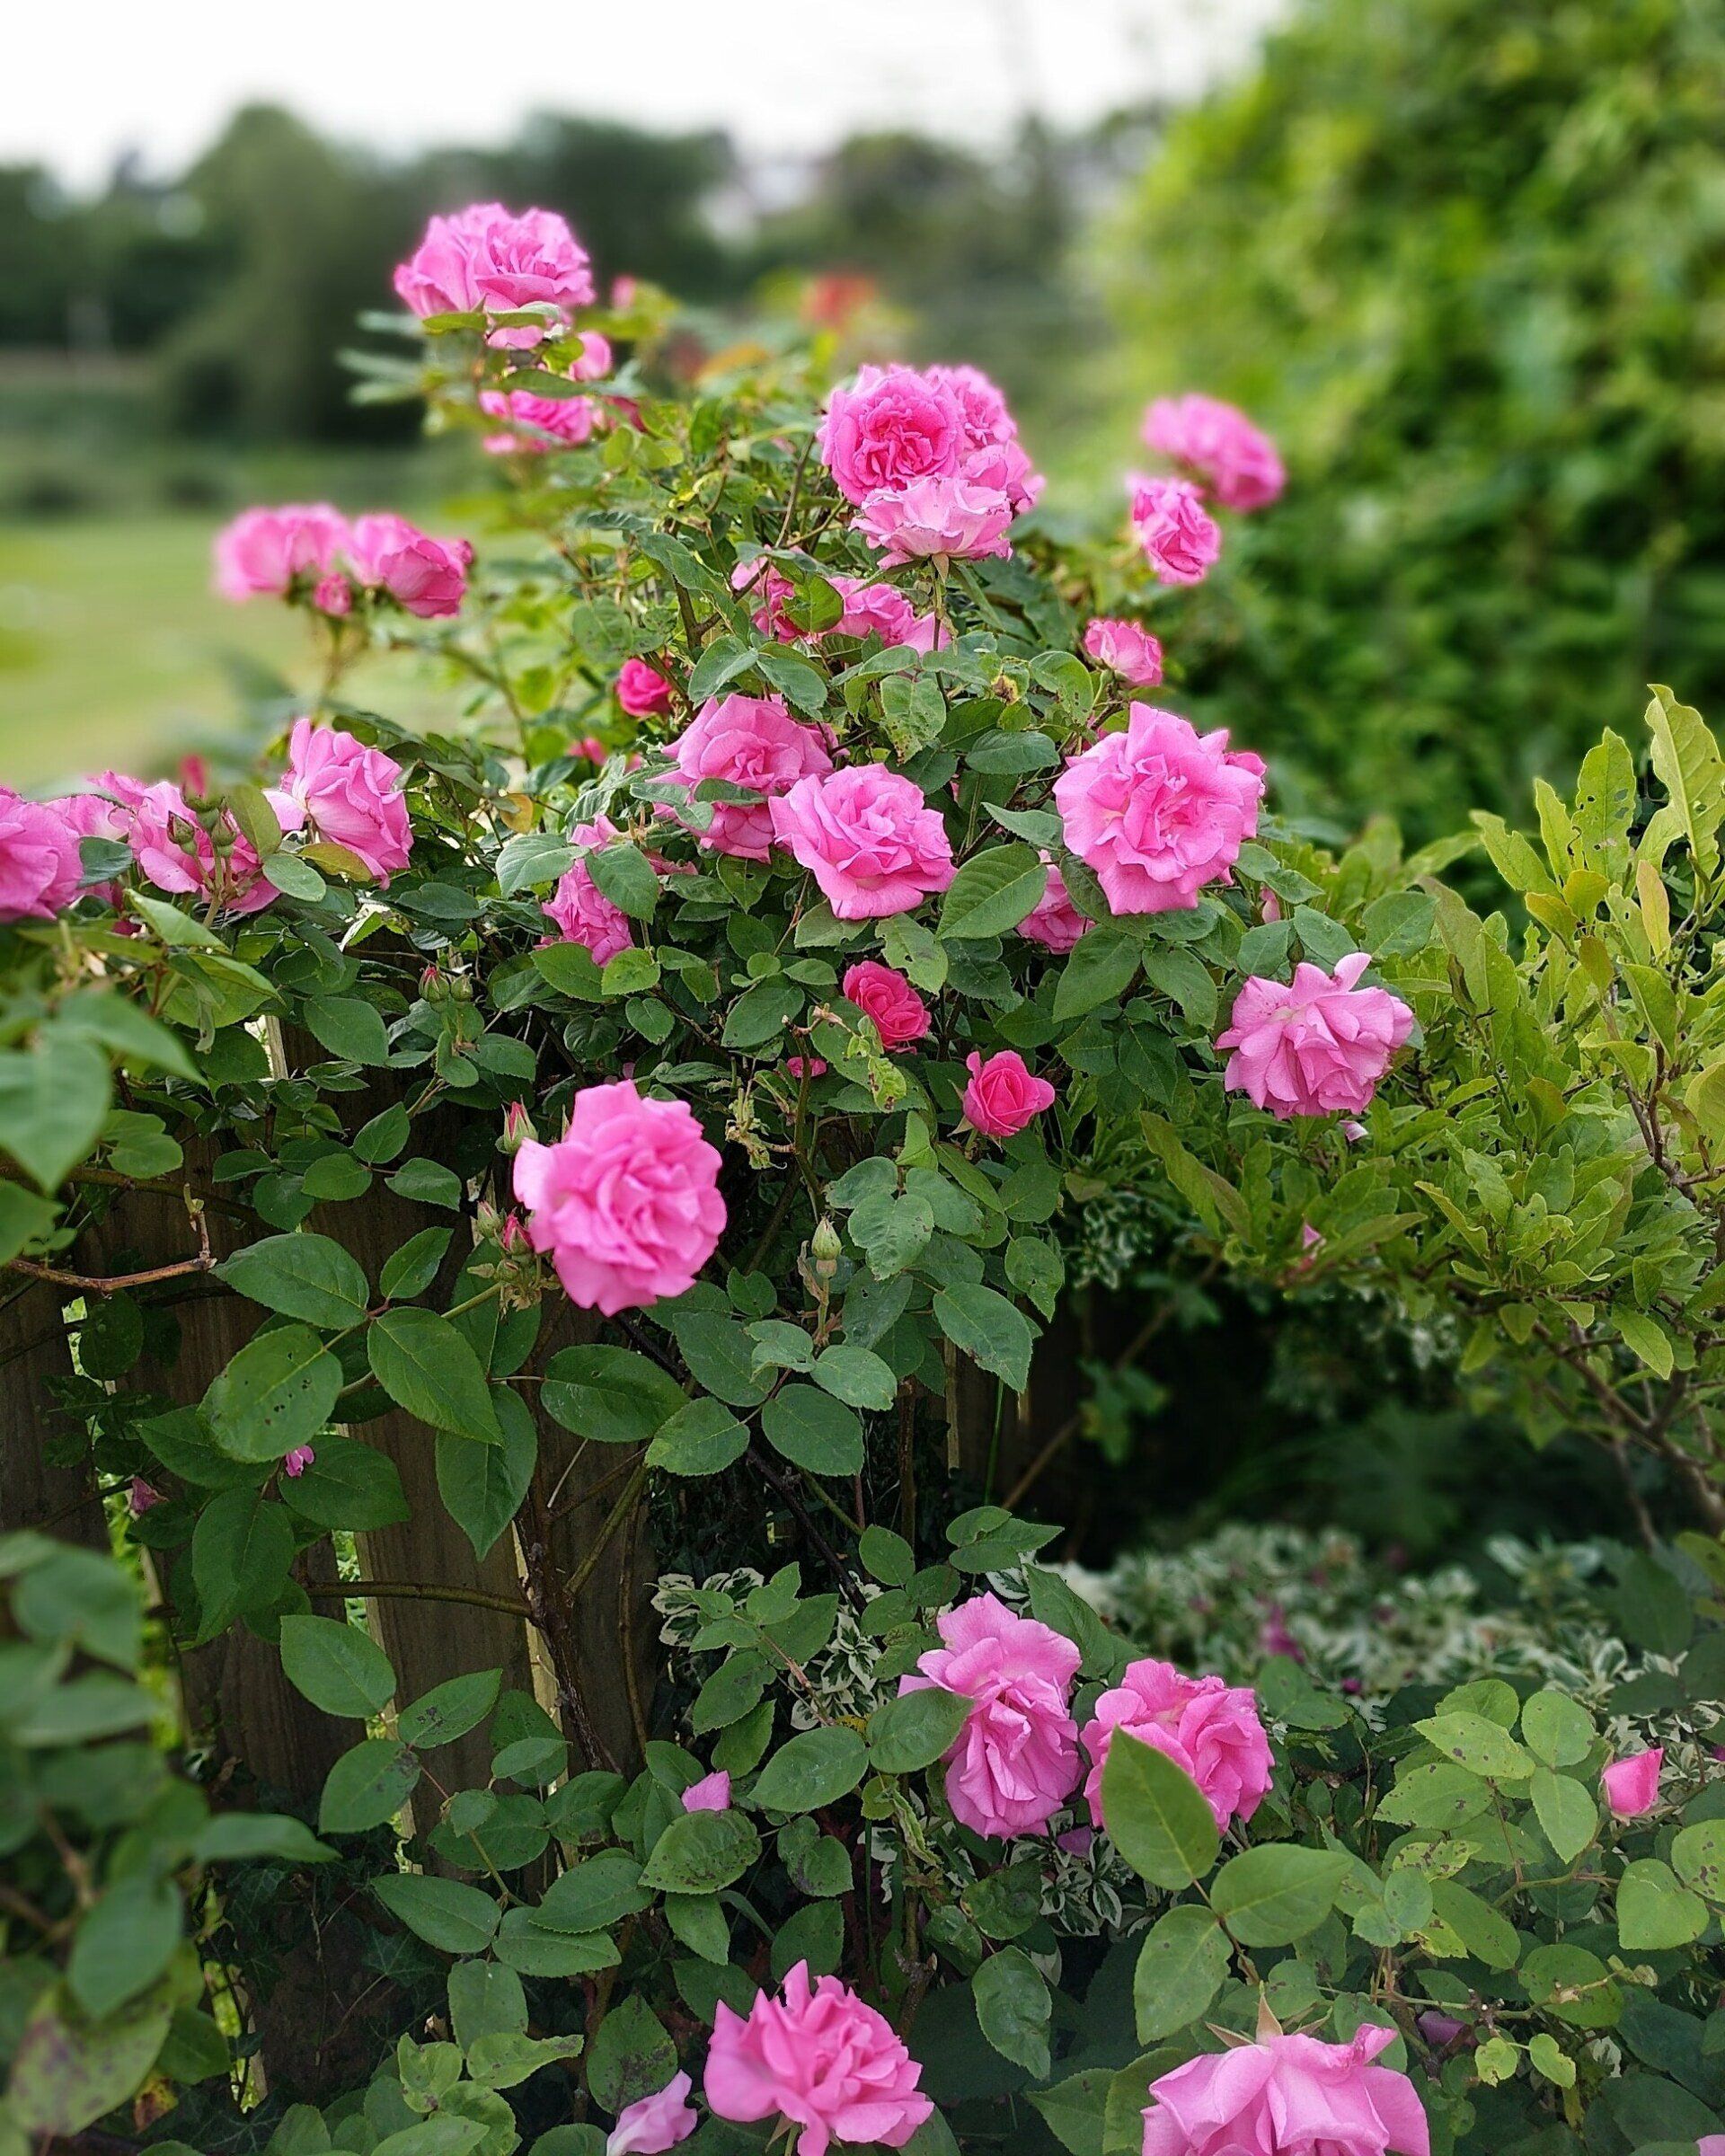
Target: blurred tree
[[1467, 259]]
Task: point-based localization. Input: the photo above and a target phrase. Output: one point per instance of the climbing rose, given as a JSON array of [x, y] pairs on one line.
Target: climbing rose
[[953, 519], [627, 1202], [753, 742], [1003, 1095], [1209, 1729], [653, 2123], [1287, 2096], [350, 795], [643, 690], [40, 869], [1015, 1761], [900, 1015], [1125, 650], [1632, 1785], [1316, 1046], [485, 257], [1054, 921], [892, 427], [884, 610], [176, 853], [269, 551], [868, 837], [1236, 460], [1159, 811], [712, 1793], [819, 2058], [426, 575], [1177, 532], [551, 423], [581, 909]]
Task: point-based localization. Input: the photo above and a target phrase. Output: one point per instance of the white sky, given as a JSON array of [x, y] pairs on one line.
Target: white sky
[[80, 84]]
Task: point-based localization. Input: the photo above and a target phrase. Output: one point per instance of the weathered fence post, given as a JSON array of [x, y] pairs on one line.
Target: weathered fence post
[[34, 1346]]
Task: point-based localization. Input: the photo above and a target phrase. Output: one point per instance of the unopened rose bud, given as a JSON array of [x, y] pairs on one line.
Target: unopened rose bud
[[488, 1220], [518, 1128], [294, 1463], [513, 1236], [460, 988], [432, 985], [825, 1244]]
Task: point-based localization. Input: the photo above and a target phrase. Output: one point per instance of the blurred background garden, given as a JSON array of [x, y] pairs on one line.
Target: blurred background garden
[[1464, 258]]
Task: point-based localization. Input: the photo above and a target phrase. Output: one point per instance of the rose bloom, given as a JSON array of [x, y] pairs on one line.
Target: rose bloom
[[1159, 811], [821, 2059], [1054, 921], [41, 868], [297, 1460], [883, 611], [712, 1793], [350, 795], [486, 258], [1179, 535], [332, 594], [769, 588], [173, 850], [551, 422], [1287, 2096], [1236, 460], [750, 741], [900, 1015], [1314, 1046], [1125, 650], [952, 519], [627, 1202], [581, 909], [1004, 1095], [643, 690], [655, 2123], [869, 839], [805, 1066], [1632, 1785], [269, 551], [90, 816], [892, 427], [992, 456], [1015, 1761], [1209, 1729], [427, 576]]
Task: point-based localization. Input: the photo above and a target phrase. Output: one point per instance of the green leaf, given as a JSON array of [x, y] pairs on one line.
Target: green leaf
[[241, 1550], [1276, 1893], [1698, 1852], [241, 1837], [410, 1270], [1012, 2009], [704, 1438], [446, 1914], [67, 2071], [811, 1771], [992, 893], [531, 861], [1654, 1912], [761, 1012], [1156, 1816], [1483, 1933], [482, 1485], [1646, 1340], [337, 1666], [349, 1027], [698, 1922], [1075, 2110], [427, 1367], [349, 1485], [304, 1277], [1479, 1744], [594, 1895], [449, 1710], [1568, 1812], [992, 1331], [366, 1786], [53, 1102], [911, 1732], [1099, 971], [856, 1375], [625, 876], [1686, 761], [813, 1430], [1180, 1970], [887, 1557], [1555, 1730], [485, 1999], [610, 1394], [700, 1852], [278, 1393], [630, 2056], [123, 1944]]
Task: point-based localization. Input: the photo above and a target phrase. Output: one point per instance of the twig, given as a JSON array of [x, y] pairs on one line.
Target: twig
[[95, 1284], [413, 1590]]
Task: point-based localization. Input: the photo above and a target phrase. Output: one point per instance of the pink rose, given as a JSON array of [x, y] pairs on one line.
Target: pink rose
[[1316, 1046], [551, 422], [627, 1201], [1287, 2096], [819, 2058], [769, 588], [656, 2123], [350, 795], [1177, 532], [269, 551], [92, 815], [177, 855], [753, 742], [1015, 1761], [892, 427], [950, 519], [333, 595], [1236, 459], [712, 1793], [643, 690], [1159, 811], [883, 611], [1054, 920], [41, 868], [869, 839], [484, 258], [992, 456], [1003, 1095], [297, 1460], [1632, 1785], [1125, 650], [581, 909], [1209, 1729], [805, 1066], [594, 361], [427, 576], [900, 1015]]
